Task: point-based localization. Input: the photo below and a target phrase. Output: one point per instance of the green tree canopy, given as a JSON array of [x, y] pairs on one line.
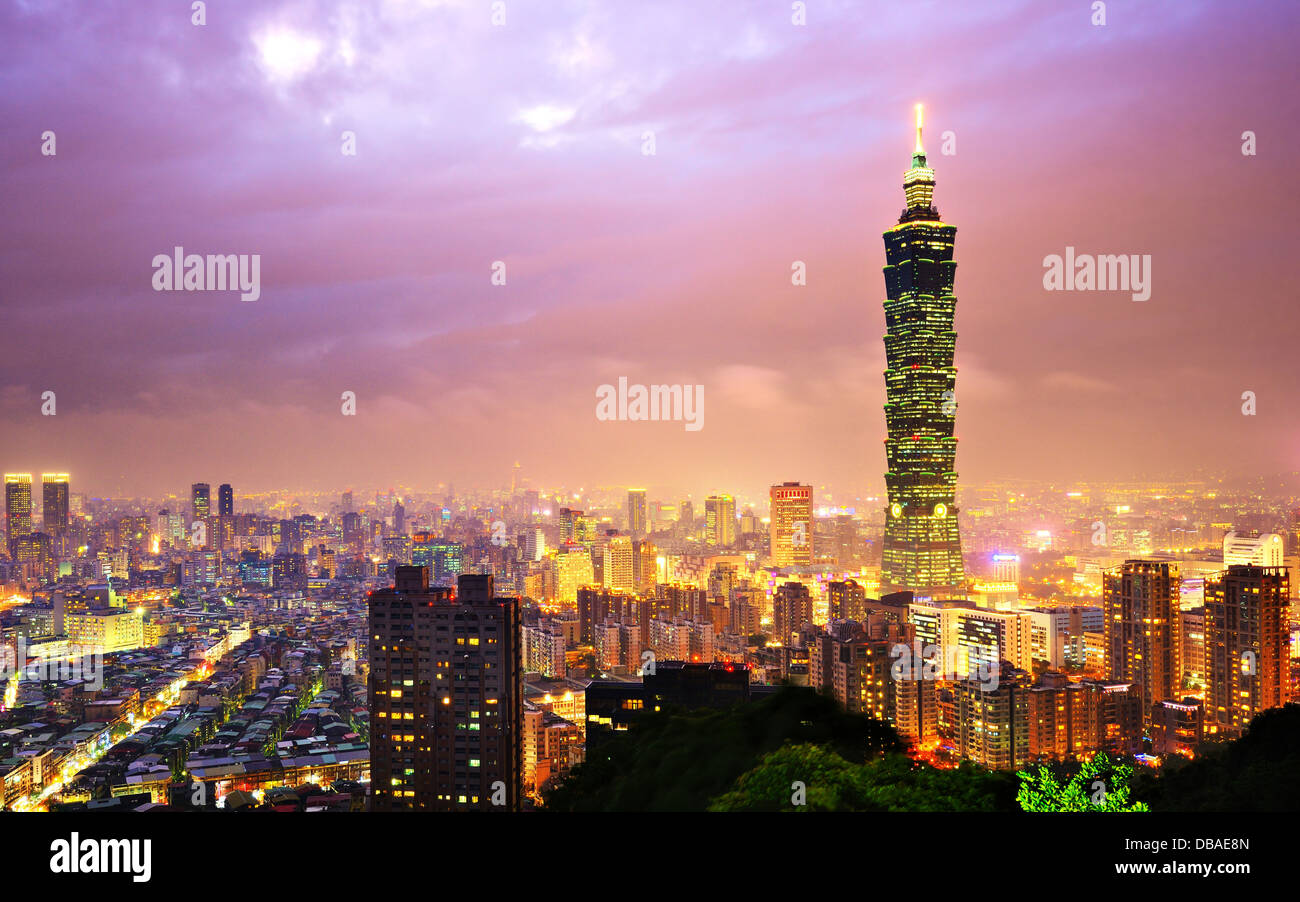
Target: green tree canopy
[[1099, 785], [890, 783]]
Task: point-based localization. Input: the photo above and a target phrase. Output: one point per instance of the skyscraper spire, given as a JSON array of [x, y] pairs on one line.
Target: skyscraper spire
[[918, 182]]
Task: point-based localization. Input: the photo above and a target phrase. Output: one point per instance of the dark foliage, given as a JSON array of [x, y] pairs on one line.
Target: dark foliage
[[681, 760], [1259, 772]]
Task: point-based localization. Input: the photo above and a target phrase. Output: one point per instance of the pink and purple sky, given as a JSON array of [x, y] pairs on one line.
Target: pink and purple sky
[[523, 142]]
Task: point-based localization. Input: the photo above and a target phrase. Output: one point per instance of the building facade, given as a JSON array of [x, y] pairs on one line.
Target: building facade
[[446, 703], [922, 547]]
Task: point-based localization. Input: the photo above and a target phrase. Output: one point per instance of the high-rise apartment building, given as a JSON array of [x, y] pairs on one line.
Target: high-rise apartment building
[[791, 609], [1247, 644], [855, 667], [846, 600], [619, 564], [790, 532], [225, 500], [992, 720], [1069, 720], [446, 696], [922, 546], [1143, 645]]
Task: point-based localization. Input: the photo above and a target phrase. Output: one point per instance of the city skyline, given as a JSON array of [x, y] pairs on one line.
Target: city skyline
[[544, 407], [546, 173]]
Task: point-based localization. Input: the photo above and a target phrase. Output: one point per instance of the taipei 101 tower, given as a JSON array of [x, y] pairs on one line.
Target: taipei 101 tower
[[922, 548]]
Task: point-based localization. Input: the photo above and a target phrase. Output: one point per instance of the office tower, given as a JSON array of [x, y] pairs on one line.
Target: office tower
[[569, 520], [636, 512], [922, 547], [1006, 568], [200, 501], [1260, 550], [619, 569], [791, 609], [1247, 644], [720, 520], [791, 528], [290, 535], [54, 503], [345, 502], [399, 519], [1143, 643], [225, 500], [18, 506], [446, 708]]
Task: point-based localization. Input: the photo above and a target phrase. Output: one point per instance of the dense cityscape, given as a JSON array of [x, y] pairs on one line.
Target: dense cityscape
[[176, 643], [416, 407], [424, 648]]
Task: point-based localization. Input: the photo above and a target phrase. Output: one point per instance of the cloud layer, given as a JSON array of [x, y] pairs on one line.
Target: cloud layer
[[523, 143]]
